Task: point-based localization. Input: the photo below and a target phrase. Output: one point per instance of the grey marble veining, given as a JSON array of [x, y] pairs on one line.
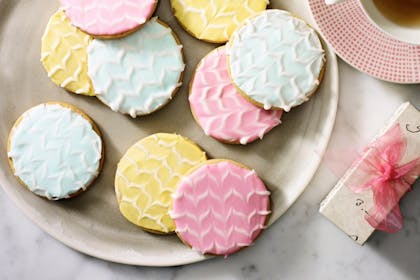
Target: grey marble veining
[[300, 245]]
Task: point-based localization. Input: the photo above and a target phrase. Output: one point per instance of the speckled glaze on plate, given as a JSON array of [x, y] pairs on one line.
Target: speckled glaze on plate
[[286, 159]]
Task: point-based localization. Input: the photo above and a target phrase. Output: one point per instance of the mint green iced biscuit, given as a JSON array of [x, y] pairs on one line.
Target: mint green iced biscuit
[[55, 150], [137, 74], [276, 60]]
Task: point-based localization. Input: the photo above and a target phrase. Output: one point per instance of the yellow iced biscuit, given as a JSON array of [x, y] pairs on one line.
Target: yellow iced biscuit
[[147, 176], [64, 55], [215, 20]]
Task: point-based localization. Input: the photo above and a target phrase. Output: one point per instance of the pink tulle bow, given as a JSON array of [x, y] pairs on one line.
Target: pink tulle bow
[[381, 172]]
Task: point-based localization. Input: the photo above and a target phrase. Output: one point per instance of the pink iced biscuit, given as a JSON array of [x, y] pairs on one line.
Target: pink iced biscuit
[[220, 207], [108, 17], [220, 109]]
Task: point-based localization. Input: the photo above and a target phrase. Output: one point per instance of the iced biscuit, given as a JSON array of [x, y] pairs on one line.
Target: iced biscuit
[[55, 150], [147, 176], [140, 73], [276, 60], [220, 207]]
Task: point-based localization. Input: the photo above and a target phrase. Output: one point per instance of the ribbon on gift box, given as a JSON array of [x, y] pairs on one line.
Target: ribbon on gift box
[[381, 172]]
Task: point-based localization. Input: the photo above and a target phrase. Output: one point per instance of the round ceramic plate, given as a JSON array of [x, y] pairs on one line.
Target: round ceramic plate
[[286, 159], [365, 47]]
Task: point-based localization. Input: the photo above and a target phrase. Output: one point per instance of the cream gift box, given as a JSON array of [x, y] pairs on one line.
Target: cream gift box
[[347, 209]]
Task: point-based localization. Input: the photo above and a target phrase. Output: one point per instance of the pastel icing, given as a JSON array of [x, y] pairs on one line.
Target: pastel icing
[[220, 207], [147, 176], [108, 17], [64, 55], [220, 109], [215, 20], [137, 74], [55, 151], [276, 60]]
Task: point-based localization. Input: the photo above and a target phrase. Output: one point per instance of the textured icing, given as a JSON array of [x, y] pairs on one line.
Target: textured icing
[[219, 108], [55, 151], [137, 74], [220, 207], [108, 17], [147, 176], [276, 59], [215, 20], [64, 55]]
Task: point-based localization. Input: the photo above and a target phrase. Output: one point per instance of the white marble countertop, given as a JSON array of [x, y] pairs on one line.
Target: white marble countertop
[[300, 245]]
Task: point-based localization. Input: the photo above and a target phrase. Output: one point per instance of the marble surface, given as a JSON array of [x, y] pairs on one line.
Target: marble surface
[[300, 245]]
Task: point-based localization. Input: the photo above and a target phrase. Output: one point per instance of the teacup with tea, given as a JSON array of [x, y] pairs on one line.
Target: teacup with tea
[[398, 18]]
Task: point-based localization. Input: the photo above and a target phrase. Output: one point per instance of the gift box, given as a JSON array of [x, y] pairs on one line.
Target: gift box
[[366, 197]]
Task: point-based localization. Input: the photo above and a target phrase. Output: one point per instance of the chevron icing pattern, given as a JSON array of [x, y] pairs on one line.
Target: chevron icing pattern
[[220, 207], [219, 108], [108, 17], [215, 20], [64, 55], [55, 151], [276, 60], [137, 74], [147, 176]]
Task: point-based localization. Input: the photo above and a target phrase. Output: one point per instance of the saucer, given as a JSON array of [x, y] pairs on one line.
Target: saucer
[[365, 47]]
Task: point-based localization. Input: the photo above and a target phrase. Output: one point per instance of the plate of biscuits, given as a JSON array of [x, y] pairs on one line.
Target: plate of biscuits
[[161, 133]]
